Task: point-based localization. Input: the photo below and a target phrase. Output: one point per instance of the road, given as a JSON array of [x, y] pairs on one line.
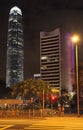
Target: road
[[49, 123]]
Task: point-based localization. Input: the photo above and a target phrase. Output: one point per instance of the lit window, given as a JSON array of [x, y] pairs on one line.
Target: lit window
[[43, 58]]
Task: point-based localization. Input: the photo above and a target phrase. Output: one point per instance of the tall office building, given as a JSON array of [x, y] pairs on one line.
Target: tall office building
[[15, 48], [57, 59]]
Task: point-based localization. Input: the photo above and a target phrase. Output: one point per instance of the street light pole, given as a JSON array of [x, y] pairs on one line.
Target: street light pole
[[75, 40], [43, 99], [77, 84]]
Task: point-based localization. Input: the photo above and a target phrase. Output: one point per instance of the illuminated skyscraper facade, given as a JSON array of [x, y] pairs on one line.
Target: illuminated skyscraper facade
[[57, 59], [15, 48]]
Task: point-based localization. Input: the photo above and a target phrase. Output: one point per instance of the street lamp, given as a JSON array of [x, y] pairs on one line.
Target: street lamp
[[75, 40], [43, 99]]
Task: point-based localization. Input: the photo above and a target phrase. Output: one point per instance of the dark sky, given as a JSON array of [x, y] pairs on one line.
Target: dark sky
[[39, 15]]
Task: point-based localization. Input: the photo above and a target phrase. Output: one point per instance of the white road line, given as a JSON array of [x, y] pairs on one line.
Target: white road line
[[44, 127], [36, 127], [5, 127]]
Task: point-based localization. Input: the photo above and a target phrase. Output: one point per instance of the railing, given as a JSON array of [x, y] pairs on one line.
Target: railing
[[34, 113], [27, 113]]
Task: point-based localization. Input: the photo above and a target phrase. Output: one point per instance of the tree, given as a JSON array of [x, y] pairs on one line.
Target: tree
[[30, 88]]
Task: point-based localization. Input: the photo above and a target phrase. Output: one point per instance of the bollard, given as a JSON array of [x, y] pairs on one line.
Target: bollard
[[62, 111], [41, 112], [29, 112], [59, 110]]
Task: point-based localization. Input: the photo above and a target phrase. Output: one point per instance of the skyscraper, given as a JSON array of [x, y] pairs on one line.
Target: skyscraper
[[15, 48], [57, 59]]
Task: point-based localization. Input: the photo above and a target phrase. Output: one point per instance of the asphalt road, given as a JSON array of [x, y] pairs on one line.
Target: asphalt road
[[50, 123]]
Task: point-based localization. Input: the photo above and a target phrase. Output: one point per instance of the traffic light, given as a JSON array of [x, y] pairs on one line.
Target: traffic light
[[53, 98]]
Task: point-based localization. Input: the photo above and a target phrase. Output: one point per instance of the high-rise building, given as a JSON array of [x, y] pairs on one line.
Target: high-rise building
[[15, 48], [57, 59]]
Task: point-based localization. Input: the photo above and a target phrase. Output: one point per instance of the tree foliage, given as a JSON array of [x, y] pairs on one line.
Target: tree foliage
[[30, 88]]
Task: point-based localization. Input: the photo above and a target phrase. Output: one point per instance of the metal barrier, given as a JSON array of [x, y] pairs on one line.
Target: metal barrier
[[27, 113]]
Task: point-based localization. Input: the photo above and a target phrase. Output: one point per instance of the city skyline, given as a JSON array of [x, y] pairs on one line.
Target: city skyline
[[39, 16]]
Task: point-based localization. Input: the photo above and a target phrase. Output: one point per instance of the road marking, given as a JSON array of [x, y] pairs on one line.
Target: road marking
[[36, 127], [3, 127], [44, 127]]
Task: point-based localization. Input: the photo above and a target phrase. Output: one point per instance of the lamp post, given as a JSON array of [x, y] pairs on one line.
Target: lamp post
[[75, 39], [43, 100]]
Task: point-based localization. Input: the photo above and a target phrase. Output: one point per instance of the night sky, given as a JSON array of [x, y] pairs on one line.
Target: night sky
[[39, 15]]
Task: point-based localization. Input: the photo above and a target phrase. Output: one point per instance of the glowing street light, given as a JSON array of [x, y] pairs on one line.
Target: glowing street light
[[75, 40]]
